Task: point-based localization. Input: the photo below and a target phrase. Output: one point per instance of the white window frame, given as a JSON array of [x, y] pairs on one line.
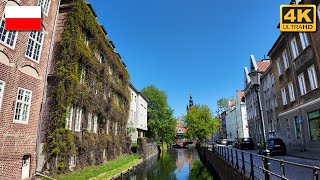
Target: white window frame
[[95, 123], [304, 39], [284, 96], [89, 125], [2, 85], [312, 77], [23, 103], [291, 92], [83, 75], [302, 84], [77, 125], [318, 9], [4, 42], [42, 4], [69, 116], [35, 42], [279, 68], [285, 59], [294, 47]]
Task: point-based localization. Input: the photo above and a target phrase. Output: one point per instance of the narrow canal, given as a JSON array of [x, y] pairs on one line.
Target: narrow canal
[[179, 164]]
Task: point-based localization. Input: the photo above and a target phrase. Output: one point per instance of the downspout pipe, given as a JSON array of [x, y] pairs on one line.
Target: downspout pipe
[[38, 149]]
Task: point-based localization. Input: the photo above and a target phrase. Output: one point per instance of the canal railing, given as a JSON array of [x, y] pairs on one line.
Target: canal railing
[[232, 163]]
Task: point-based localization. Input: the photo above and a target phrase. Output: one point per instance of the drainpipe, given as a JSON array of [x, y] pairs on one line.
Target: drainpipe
[[38, 150], [297, 90]]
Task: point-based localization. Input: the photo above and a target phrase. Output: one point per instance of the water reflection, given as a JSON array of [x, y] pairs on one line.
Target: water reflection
[[172, 164]]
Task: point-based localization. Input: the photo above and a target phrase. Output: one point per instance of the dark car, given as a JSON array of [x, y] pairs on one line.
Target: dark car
[[274, 145], [236, 143], [245, 143], [218, 141]]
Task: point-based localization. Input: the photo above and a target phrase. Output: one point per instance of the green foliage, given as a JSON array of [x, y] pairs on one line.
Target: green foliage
[[161, 124], [71, 56], [222, 105], [199, 120]]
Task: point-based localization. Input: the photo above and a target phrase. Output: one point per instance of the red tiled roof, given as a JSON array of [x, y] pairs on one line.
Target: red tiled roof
[[263, 65], [240, 94]]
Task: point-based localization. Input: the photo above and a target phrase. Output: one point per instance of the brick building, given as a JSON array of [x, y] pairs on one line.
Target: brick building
[[23, 63], [86, 109]]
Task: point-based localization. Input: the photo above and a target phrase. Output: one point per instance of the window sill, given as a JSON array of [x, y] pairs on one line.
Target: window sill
[[20, 122]]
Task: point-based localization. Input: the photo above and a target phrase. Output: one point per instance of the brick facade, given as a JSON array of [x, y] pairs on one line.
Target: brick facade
[[16, 70]]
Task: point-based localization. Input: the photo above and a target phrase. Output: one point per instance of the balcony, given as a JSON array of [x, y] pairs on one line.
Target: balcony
[[303, 58]]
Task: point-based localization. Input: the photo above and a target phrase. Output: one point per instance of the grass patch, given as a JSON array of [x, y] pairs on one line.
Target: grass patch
[[105, 170]]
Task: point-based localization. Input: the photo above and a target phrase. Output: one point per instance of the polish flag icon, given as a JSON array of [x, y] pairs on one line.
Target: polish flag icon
[[22, 17]]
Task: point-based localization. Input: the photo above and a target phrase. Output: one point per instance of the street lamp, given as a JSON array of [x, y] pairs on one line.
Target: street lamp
[[255, 81]]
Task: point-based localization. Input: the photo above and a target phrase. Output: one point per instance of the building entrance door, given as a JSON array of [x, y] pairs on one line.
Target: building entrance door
[[25, 167]]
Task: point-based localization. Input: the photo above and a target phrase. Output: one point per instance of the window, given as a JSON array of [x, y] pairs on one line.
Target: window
[[294, 47], [44, 6], [314, 124], [318, 9], [275, 101], [291, 92], [69, 115], [95, 123], [272, 79], [279, 67], [23, 101], [34, 45], [304, 40], [89, 122], [285, 59], [83, 75], [284, 97], [302, 84], [7, 37], [297, 123], [288, 123], [1, 92], [78, 119], [312, 77]]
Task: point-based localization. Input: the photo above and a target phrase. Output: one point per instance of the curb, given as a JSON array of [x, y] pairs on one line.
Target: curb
[[303, 157]]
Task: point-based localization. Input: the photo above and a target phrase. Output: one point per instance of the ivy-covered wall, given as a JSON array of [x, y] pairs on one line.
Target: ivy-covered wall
[[88, 74]]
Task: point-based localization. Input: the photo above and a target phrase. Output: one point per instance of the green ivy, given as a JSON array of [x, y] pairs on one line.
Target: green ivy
[[71, 56]]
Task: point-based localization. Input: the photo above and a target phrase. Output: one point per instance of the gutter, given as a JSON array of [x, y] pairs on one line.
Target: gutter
[[38, 150]]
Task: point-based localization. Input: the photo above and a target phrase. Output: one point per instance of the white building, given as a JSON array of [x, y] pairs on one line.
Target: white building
[[137, 122], [236, 118]]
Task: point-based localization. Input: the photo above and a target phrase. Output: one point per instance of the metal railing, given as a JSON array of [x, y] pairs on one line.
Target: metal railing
[[257, 166]]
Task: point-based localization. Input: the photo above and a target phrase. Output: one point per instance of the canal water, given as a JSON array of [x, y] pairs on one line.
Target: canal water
[[172, 164]]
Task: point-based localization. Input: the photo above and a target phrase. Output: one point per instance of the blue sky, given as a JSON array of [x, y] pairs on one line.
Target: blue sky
[[189, 46]]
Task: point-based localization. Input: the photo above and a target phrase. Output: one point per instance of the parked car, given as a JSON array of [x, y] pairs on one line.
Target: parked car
[[274, 146], [245, 143], [218, 141], [227, 142], [236, 143]]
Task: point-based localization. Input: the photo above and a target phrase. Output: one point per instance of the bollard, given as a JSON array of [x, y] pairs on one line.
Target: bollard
[[315, 173], [283, 174]]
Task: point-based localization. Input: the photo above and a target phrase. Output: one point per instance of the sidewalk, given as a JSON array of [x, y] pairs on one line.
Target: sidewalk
[[307, 155]]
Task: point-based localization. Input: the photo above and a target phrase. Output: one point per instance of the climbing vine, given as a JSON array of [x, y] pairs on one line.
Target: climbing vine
[[96, 85]]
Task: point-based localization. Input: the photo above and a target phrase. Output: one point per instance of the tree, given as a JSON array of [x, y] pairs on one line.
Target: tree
[[199, 120], [161, 124], [222, 105]]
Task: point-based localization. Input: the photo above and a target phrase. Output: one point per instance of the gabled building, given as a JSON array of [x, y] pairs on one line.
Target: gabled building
[[85, 113], [254, 121], [137, 122], [23, 65], [181, 130]]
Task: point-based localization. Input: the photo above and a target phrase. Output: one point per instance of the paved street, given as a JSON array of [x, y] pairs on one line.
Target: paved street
[[292, 171]]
